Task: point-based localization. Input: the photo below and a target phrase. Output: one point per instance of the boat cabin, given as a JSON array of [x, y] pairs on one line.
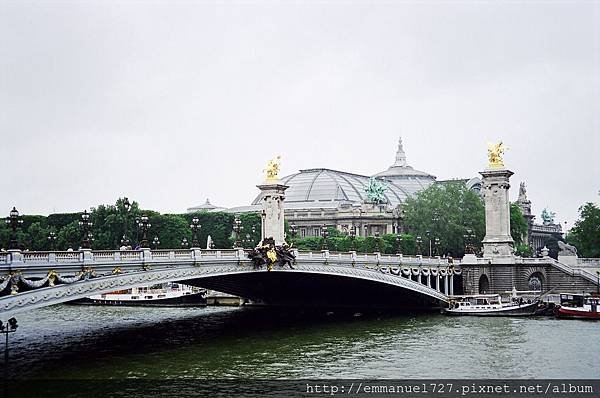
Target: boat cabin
[[580, 301]]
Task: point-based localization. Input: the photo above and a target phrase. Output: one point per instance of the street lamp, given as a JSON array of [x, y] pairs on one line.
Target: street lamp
[[126, 207], [419, 241], [378, 241], [293, 231], [10, 327], [253, 241], [469, 238], [155, 242], [237, 229], [144, 225], [84, 225], [137, 230], [353, 238], [247, 241], [52, 240], [14, 221], [195, 226], [184, 243], [324, 235], [398, 244], [428, 233], [436, 246]]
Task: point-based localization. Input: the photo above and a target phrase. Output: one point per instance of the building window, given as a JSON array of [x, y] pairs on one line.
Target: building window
[[303, 232], [316, 232]]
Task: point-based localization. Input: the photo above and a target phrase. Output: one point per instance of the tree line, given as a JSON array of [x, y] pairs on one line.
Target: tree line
[[449, 211]]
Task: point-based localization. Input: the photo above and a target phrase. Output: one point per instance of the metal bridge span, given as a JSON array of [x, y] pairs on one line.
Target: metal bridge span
[[31, 280]]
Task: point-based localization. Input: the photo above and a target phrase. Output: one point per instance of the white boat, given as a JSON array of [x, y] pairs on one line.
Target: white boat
[[490, 305], [164, 295]]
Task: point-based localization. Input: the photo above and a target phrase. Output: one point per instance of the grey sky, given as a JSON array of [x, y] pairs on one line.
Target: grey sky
[[169, 103]]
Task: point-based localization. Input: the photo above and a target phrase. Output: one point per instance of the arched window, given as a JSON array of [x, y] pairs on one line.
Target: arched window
[[484, 284]]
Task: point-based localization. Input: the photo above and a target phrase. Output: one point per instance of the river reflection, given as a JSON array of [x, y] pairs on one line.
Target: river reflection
[[117, 342]]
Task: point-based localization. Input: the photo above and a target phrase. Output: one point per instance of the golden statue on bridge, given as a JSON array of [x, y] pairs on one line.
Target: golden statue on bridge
[[495, 152], [272, 170]]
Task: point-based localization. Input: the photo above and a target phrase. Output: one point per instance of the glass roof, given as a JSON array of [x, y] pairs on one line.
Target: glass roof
[[325, 185]]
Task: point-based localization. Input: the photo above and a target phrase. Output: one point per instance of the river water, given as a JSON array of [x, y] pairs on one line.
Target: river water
[[84, 342]]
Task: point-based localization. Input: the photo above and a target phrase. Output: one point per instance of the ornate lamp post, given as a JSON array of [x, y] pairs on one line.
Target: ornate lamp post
[[184, 243], [436, 246], [247, 241], [10, 327], [126, 207], [293, 231], [237, 229], [399, 214], [398, 244], [353, 238], [419, 241], [469, 237], [137, 230], [84, 225], [324, 235], [52, 240], [14, 221], [155, 242], [428, 233], [195, 226], [144, 225], [378, 241]]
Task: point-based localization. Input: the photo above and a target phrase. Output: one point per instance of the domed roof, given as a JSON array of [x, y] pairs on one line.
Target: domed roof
[[400, 170], [207, 206], [325, 185]]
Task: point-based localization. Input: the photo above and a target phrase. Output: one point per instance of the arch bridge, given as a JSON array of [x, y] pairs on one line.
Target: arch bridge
[[31, 280]]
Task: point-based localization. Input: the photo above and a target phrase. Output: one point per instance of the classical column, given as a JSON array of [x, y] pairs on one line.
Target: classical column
[[498, 245], [273, 195], [497, 241]]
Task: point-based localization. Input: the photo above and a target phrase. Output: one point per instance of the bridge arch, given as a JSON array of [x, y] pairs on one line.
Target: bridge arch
[[306, 285]]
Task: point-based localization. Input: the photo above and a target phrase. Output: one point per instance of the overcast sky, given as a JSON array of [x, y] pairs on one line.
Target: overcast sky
[[169, 103]]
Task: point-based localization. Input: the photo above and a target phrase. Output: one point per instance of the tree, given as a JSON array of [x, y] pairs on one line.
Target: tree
[[518, 225], [171, 229], [585, 234], [447, 211]]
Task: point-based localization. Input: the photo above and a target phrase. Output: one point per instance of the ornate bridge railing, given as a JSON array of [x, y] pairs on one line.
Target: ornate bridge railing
[[22, 272]]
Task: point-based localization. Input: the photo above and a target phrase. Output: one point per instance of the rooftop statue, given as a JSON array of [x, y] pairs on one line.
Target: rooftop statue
[[548, 216], [522, 192], [375, 191], [272, 169], [495, 152]]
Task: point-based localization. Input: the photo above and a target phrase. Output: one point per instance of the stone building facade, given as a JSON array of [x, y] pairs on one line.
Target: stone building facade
[[322, 197], [537, 234]]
